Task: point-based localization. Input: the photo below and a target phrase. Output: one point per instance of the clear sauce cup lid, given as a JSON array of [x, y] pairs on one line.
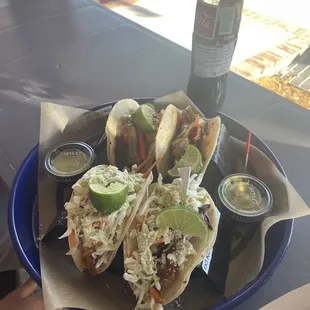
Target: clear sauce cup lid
[[244, 198], [67, 161]]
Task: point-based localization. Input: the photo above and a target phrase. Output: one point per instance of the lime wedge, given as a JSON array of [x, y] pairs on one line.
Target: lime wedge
[[150, 105], [191, 158], [183, 219], [107, 199], [144, 117]]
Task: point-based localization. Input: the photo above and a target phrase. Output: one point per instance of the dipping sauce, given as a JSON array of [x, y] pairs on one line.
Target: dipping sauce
[[68, 161], [244, 198]]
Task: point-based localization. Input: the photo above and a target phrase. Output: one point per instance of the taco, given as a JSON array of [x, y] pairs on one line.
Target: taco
[[193, 144], [169, 237], [131, 132], [102, 206]]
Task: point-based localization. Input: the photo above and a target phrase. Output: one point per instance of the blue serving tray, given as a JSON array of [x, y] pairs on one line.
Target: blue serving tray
[[23, 217]]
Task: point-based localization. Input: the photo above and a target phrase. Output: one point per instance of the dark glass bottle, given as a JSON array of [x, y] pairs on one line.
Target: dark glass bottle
[[216, 28]]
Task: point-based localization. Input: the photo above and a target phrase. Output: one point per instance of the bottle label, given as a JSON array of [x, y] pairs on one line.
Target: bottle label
[[205, 19], [215, 36]]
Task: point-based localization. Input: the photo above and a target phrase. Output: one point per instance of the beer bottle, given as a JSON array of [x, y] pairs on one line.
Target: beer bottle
[[216, 28]]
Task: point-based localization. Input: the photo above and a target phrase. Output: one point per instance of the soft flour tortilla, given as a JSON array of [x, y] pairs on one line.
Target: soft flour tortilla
[[202, 248], [125, 107], [77, 254], [165, 135], [167, 131]]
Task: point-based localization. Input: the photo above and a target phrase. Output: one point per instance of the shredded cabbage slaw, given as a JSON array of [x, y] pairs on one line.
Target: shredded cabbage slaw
[[142, 266], [90, 228]]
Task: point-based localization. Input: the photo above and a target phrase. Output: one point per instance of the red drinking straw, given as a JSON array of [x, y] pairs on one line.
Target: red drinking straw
[[247, 150]]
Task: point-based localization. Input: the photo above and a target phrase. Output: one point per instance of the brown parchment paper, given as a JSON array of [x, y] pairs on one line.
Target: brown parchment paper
[[64, 286], [287, 204]]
